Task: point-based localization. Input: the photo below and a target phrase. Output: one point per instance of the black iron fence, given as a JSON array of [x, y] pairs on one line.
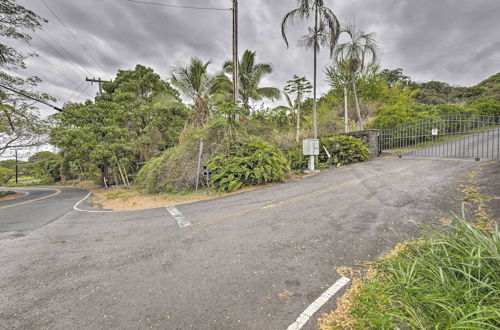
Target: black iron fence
[[461, 136]]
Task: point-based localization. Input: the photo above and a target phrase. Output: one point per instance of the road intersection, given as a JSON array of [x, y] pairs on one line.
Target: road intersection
[[255, 260]]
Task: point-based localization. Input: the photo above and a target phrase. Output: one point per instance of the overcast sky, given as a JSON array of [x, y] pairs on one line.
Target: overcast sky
[[456, 41]]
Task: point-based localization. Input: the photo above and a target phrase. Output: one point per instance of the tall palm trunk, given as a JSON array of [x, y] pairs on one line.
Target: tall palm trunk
[[315, 125], [357, 103]]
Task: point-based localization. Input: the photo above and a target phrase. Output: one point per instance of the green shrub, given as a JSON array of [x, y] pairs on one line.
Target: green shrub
[[486, 107], [46, 166], [6, 174], [249, 162], [6, 193], [295, 158], [343, 149], [176, 169], [448, 281]]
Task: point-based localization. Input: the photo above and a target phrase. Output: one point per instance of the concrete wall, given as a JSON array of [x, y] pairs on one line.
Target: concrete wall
[[371, 138]]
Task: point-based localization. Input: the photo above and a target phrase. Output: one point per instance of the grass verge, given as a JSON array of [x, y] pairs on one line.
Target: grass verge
[[7, 195], [120, 199], [450, 279]]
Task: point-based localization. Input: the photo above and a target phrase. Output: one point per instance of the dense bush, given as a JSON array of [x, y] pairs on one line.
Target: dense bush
[[46, 166], [343, 149], [6, 174], [249, 162], [176, 168], [486, 107], [295, 158]]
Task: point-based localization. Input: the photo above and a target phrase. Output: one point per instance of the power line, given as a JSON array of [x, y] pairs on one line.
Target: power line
[[83, 91], [178, 6], [76, 90], [59, 53], [65, 50], [72, 34], [40, 101], [49, 63]]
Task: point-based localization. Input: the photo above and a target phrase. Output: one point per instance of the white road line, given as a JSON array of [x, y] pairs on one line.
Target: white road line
[[178, 216], [76, 208], [316, 305]]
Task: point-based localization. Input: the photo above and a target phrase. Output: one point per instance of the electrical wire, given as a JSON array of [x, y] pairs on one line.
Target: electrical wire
[[52, 65], [83, 91], [67, 52], [73, 35], [40, 101], [178, 6], [60, 54], [76, 91]]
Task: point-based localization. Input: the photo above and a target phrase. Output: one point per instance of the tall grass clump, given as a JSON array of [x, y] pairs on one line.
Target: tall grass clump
[[450, 280]]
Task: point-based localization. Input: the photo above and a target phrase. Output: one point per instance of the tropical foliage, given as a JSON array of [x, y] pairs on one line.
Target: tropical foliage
[[46, 166], [325, 32], [298, 86], [356, 53], [248, 162], [147, 131], [20, 123], [343, 150], [6, 174], [196, 84], [139, 116], [250, 75]]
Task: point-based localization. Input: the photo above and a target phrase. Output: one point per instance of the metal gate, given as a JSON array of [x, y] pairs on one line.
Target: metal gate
[[450, 136]]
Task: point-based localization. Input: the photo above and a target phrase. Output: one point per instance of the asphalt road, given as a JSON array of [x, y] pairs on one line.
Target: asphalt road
[[37, 207], [484, 145], [253, 260]]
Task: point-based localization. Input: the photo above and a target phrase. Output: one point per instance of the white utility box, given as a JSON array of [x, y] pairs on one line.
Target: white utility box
[[310, 147]]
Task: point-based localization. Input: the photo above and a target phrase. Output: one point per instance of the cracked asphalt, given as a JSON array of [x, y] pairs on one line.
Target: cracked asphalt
[[253, 260]]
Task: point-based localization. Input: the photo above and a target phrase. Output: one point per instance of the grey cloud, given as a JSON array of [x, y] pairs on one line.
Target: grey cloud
[[451, 40]]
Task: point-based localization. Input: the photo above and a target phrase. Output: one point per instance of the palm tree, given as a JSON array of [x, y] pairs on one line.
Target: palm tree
[[195, 83], [326, 32], [298, 86], [339, 78], [355, 52], [250, 75]]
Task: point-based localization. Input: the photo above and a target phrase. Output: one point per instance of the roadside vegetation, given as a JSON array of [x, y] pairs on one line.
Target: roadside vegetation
[[159, 132], [448, 279]]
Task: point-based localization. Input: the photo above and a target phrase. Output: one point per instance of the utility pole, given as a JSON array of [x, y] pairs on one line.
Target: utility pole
[[17, 169], [346, 118], [235, 51], [99, 81]]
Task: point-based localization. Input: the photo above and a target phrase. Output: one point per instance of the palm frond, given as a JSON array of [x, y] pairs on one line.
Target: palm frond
[[271, 93], [289, 101], [334, 28], [291, 17]]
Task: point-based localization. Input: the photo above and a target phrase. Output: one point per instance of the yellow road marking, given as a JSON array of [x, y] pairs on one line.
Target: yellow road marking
[[269, 206], [57, 192]]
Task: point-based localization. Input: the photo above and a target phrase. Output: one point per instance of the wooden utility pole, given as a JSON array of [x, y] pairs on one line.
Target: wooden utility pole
[[17, 169], [235, 51], [99, 81]]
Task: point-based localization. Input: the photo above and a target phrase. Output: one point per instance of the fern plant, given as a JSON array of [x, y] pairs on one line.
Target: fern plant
[[250, 162]]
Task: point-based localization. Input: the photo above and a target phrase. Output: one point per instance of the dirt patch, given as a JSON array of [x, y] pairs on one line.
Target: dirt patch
[[117, 198], [121, 199], [8, 195]]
